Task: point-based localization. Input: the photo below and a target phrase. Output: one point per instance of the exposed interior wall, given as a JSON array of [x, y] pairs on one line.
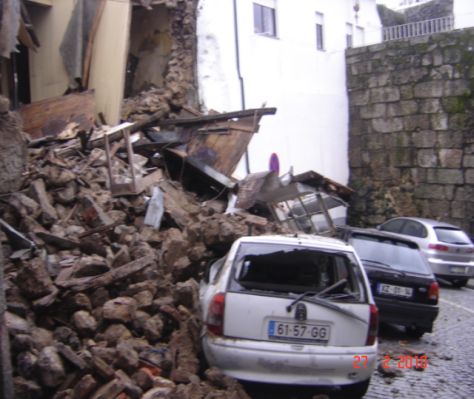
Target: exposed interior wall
[[109, 58], [170, 63], [150, 48], [48, 77], [411, 147]]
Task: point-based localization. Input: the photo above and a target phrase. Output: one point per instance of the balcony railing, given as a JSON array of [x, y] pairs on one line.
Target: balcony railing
[[420, 28]]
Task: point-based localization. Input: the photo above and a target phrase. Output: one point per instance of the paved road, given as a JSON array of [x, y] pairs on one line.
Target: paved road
[[450, 351], [450, 358]]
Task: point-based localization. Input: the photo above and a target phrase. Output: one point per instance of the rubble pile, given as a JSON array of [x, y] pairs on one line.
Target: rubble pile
[[100, 304]]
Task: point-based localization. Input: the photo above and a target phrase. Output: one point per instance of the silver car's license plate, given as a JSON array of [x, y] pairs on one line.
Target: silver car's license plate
[[458, 269], [395, 290], [316, 333]]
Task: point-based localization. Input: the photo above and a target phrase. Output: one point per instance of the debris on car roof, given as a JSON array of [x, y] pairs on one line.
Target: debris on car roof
[[293, 201]]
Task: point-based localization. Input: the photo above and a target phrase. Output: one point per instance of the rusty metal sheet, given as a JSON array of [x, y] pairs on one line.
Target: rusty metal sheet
[[249, 188]]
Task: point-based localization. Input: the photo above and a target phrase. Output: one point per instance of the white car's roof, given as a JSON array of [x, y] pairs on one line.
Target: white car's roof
[[300, 239]]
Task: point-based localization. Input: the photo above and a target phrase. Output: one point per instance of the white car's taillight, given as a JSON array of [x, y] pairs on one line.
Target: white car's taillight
[[215, 315], [373, 325]]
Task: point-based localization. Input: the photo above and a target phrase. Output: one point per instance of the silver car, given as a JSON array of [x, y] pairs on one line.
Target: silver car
[[447, 248], [291, 310]]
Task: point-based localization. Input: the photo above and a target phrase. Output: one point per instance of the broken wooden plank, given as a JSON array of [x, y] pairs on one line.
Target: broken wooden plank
[[39, 191], [49, 117], [84, 283], [71, 356], [99, 229], [219, 117], [58, 242], [90, 43]]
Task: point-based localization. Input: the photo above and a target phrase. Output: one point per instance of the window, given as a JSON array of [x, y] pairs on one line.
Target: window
[[394, 226], [264, 20], [399, 255], [319, 31], [414, 229], [287, 268], [349, 42], [360, 36], [452, 235]]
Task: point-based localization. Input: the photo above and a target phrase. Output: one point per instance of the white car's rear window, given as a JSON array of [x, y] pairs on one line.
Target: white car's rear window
[[296, 269], [452, 236]]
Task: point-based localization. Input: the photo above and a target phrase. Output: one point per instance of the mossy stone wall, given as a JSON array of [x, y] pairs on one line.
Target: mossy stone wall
[[411, 140]]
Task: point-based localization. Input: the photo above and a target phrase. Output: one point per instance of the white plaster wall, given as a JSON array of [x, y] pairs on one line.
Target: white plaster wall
[[463, 11], [310, 129]]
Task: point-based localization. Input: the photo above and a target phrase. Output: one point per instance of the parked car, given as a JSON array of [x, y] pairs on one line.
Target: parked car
[[290, 310], [403, 285], [447, 248]]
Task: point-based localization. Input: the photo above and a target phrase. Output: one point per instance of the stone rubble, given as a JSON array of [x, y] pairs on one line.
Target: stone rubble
[[104, 306]]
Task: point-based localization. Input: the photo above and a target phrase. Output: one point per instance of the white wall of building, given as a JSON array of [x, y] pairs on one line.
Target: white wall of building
[[307, 86], [463, 11]]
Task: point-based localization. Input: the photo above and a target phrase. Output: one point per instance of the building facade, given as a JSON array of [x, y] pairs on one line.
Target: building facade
[[277, 53]]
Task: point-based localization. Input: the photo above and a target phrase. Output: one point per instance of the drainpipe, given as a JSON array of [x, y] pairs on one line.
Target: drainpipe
[[241, 79]]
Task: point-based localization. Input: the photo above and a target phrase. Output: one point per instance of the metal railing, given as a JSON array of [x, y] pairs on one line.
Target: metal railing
[[420, 28]]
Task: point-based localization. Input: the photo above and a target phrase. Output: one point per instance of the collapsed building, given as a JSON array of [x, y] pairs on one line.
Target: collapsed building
[[106, 229]]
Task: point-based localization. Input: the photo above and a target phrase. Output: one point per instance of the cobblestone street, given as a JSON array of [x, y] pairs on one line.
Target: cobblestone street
[[449, 350]]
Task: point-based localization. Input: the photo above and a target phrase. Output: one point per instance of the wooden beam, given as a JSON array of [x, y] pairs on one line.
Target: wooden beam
[[84, 283], [219, 117], [49, 117], [86, 67]]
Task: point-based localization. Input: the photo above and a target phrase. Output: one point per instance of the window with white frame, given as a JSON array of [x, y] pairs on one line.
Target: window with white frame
[[349, 41], [319, 31], [264, 18]]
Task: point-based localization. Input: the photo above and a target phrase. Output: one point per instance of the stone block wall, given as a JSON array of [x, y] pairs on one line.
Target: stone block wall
[[411, 129]]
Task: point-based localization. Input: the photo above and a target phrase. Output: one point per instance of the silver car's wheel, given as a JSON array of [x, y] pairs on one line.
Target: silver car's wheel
[[459, 282]]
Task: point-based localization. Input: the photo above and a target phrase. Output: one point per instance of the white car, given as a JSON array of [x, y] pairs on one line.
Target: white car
[[290, 310]]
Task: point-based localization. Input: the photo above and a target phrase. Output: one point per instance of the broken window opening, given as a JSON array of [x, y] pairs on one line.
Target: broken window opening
[[292, 269]]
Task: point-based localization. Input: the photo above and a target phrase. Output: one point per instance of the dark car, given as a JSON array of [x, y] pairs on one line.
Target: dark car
[[402, 283]]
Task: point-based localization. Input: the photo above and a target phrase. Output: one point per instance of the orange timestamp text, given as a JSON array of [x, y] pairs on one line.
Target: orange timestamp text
[[402, 361]]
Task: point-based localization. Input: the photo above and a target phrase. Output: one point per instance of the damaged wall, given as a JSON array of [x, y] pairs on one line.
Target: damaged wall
[[47, 73], [179, 87], [411, 122], [164, 44], [13, 151], [150, 47]]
